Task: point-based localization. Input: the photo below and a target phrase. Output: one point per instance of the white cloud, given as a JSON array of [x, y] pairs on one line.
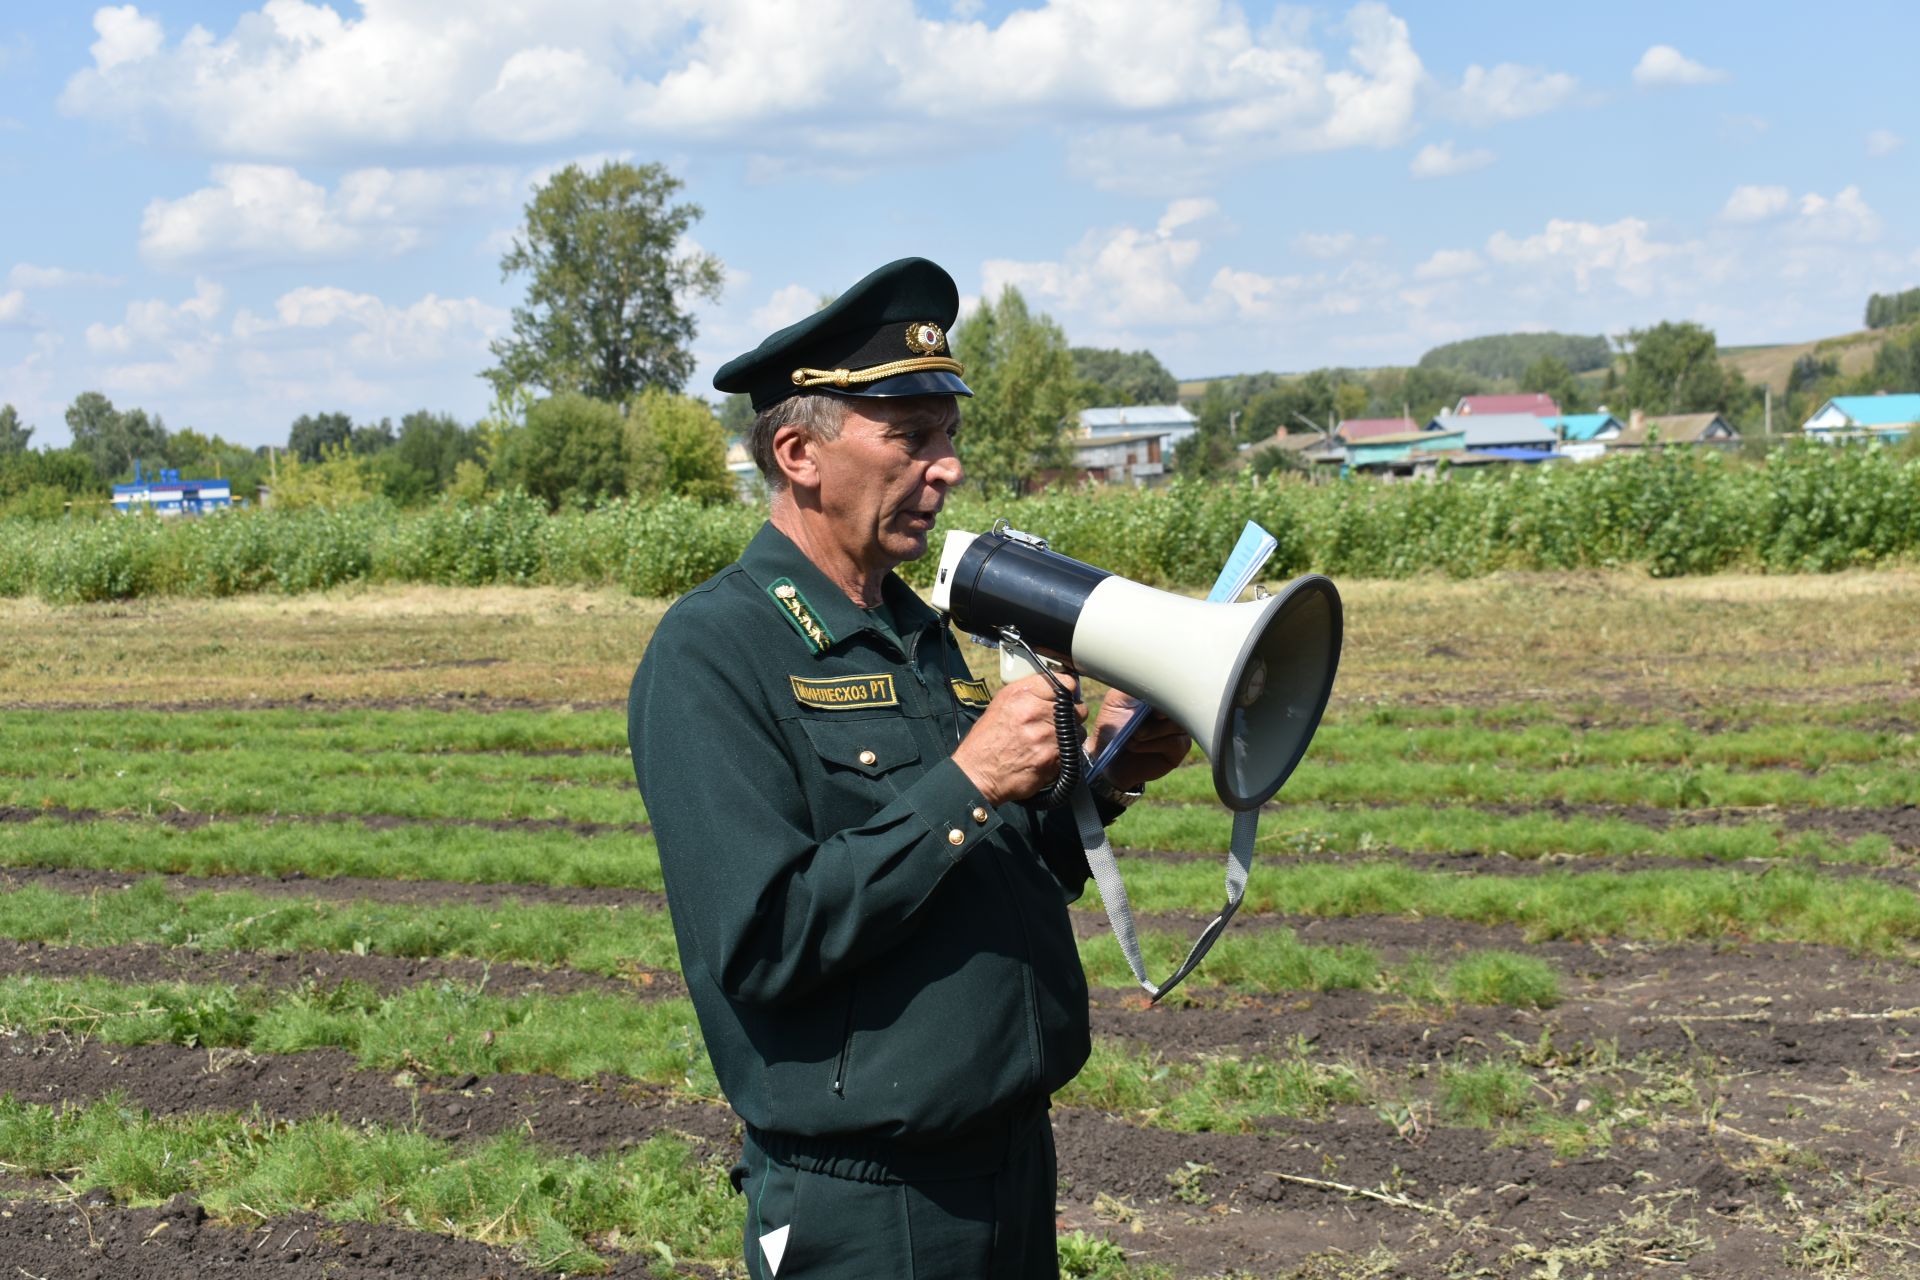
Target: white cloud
[[259, 212], [1325, 245], [371, 331], [294, 79], [25, 275], [1621, 252], [1841, 216], [1449, 264], [125, 36], [1665, 65], [156, 321], [1756, 204], [1884, 142], [1844, 216], [787, 306], [13, 307], [1508, 92], [1440, 160]]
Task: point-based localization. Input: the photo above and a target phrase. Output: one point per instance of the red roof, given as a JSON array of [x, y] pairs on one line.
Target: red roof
[[1536, 403], [1361, 428]]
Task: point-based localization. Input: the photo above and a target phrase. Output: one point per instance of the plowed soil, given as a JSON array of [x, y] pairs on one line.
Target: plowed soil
[[1805, 1055]]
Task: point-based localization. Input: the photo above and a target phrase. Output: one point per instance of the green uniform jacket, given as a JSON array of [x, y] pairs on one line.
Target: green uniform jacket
[[880, 961]]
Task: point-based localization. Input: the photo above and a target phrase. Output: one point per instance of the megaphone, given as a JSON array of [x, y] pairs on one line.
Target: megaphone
[[1247, 681]]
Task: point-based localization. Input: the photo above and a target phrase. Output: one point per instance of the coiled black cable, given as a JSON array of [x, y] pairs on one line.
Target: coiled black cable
[[1066, 729]]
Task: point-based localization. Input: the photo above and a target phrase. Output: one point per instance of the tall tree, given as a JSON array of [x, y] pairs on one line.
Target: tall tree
[[1550, 376], [13, 436], [113, 438], [609, 285], [1674, 367], [1024, 394], [312, 433], [1123, 377]]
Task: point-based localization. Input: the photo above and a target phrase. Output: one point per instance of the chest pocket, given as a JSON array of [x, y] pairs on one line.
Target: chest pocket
[[863, 753]]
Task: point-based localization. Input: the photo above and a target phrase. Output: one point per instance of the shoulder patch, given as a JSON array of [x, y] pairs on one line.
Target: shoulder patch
[[971, 693], [799, 614], [846, 693]]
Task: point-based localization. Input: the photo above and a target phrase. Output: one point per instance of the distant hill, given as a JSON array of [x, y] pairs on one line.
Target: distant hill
[[1507, 355], [1771, 365]]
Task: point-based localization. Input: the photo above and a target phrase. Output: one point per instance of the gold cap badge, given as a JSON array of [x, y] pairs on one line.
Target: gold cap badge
[[925, 338]]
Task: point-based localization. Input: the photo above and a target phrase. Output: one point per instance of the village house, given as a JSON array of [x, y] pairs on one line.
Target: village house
[[1485, 432], [1535, 403], [1887, 417], [1129, 444], [1656, 431]]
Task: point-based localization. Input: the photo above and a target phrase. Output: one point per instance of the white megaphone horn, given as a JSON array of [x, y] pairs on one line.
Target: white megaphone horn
[[1248, 681]]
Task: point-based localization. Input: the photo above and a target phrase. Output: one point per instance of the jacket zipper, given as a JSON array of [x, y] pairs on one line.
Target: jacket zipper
[[846, 1046]]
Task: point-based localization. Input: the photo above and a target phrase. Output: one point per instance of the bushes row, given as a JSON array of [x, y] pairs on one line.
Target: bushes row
[[658, 548], [1807, 509]]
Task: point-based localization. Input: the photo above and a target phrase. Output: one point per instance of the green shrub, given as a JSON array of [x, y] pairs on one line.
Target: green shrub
[[1805, 508]]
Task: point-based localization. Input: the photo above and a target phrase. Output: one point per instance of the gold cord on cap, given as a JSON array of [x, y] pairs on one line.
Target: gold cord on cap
[[848, 377]]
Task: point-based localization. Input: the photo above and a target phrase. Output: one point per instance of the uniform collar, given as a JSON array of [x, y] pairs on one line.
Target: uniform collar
[[772, 556]]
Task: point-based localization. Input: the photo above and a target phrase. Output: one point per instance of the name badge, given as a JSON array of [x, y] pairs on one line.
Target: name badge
[[845, 693], [971, 693]]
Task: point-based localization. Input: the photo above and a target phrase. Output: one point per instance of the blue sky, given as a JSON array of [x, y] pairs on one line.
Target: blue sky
[[231, 213]]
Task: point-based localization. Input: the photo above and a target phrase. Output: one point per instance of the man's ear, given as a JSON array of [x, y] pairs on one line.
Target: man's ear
[[793, 453]]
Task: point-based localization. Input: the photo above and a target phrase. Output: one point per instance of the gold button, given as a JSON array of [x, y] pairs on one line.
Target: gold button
[[954, 836], [979, 815], [867, 757]]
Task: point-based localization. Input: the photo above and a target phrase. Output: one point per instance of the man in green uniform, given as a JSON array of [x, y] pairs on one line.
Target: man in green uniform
[[872, 924]]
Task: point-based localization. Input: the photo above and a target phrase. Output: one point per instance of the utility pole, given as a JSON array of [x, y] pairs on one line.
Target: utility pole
[[1767, 429]]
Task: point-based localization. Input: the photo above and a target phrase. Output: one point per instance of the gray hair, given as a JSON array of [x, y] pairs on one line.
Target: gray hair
[[818, 414]]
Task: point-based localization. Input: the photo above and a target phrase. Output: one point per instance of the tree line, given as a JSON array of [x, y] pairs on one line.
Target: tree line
[[1889, 309], [589, 402]]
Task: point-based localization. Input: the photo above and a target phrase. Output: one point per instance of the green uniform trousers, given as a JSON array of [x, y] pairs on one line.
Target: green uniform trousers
[[816, 1218]]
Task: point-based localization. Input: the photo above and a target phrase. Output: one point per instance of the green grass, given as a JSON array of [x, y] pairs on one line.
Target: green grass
[[320, 729], [1486, 1093], [618, 941], [1555, 744], [1267, 961], [1789, 905], [1666, 785], [657, 1199], [607, 940], [440, 1028], [1445, 829], [249, 847], [253, 781], [1214, 1094]]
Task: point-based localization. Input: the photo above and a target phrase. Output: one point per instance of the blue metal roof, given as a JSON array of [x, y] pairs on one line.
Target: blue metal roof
[[1518, 455], [1585, 426], [1878, 411]]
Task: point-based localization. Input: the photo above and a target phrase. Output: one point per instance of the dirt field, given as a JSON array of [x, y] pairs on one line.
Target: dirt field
[[1722, 1100]]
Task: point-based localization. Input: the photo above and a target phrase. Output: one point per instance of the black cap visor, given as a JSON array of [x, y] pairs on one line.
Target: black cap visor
[[926, 382]]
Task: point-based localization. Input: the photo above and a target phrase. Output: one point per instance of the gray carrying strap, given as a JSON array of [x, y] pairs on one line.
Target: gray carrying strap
[[1113, 893]]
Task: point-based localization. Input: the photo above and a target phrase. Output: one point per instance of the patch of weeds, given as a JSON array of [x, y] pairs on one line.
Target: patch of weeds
[[1484, 1094], [1090, 1257], [1504, 978], [1189, 1183], [206, 1017]]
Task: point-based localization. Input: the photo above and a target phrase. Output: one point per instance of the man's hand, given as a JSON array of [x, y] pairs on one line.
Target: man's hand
[[1153, 751], [1012, 753]]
